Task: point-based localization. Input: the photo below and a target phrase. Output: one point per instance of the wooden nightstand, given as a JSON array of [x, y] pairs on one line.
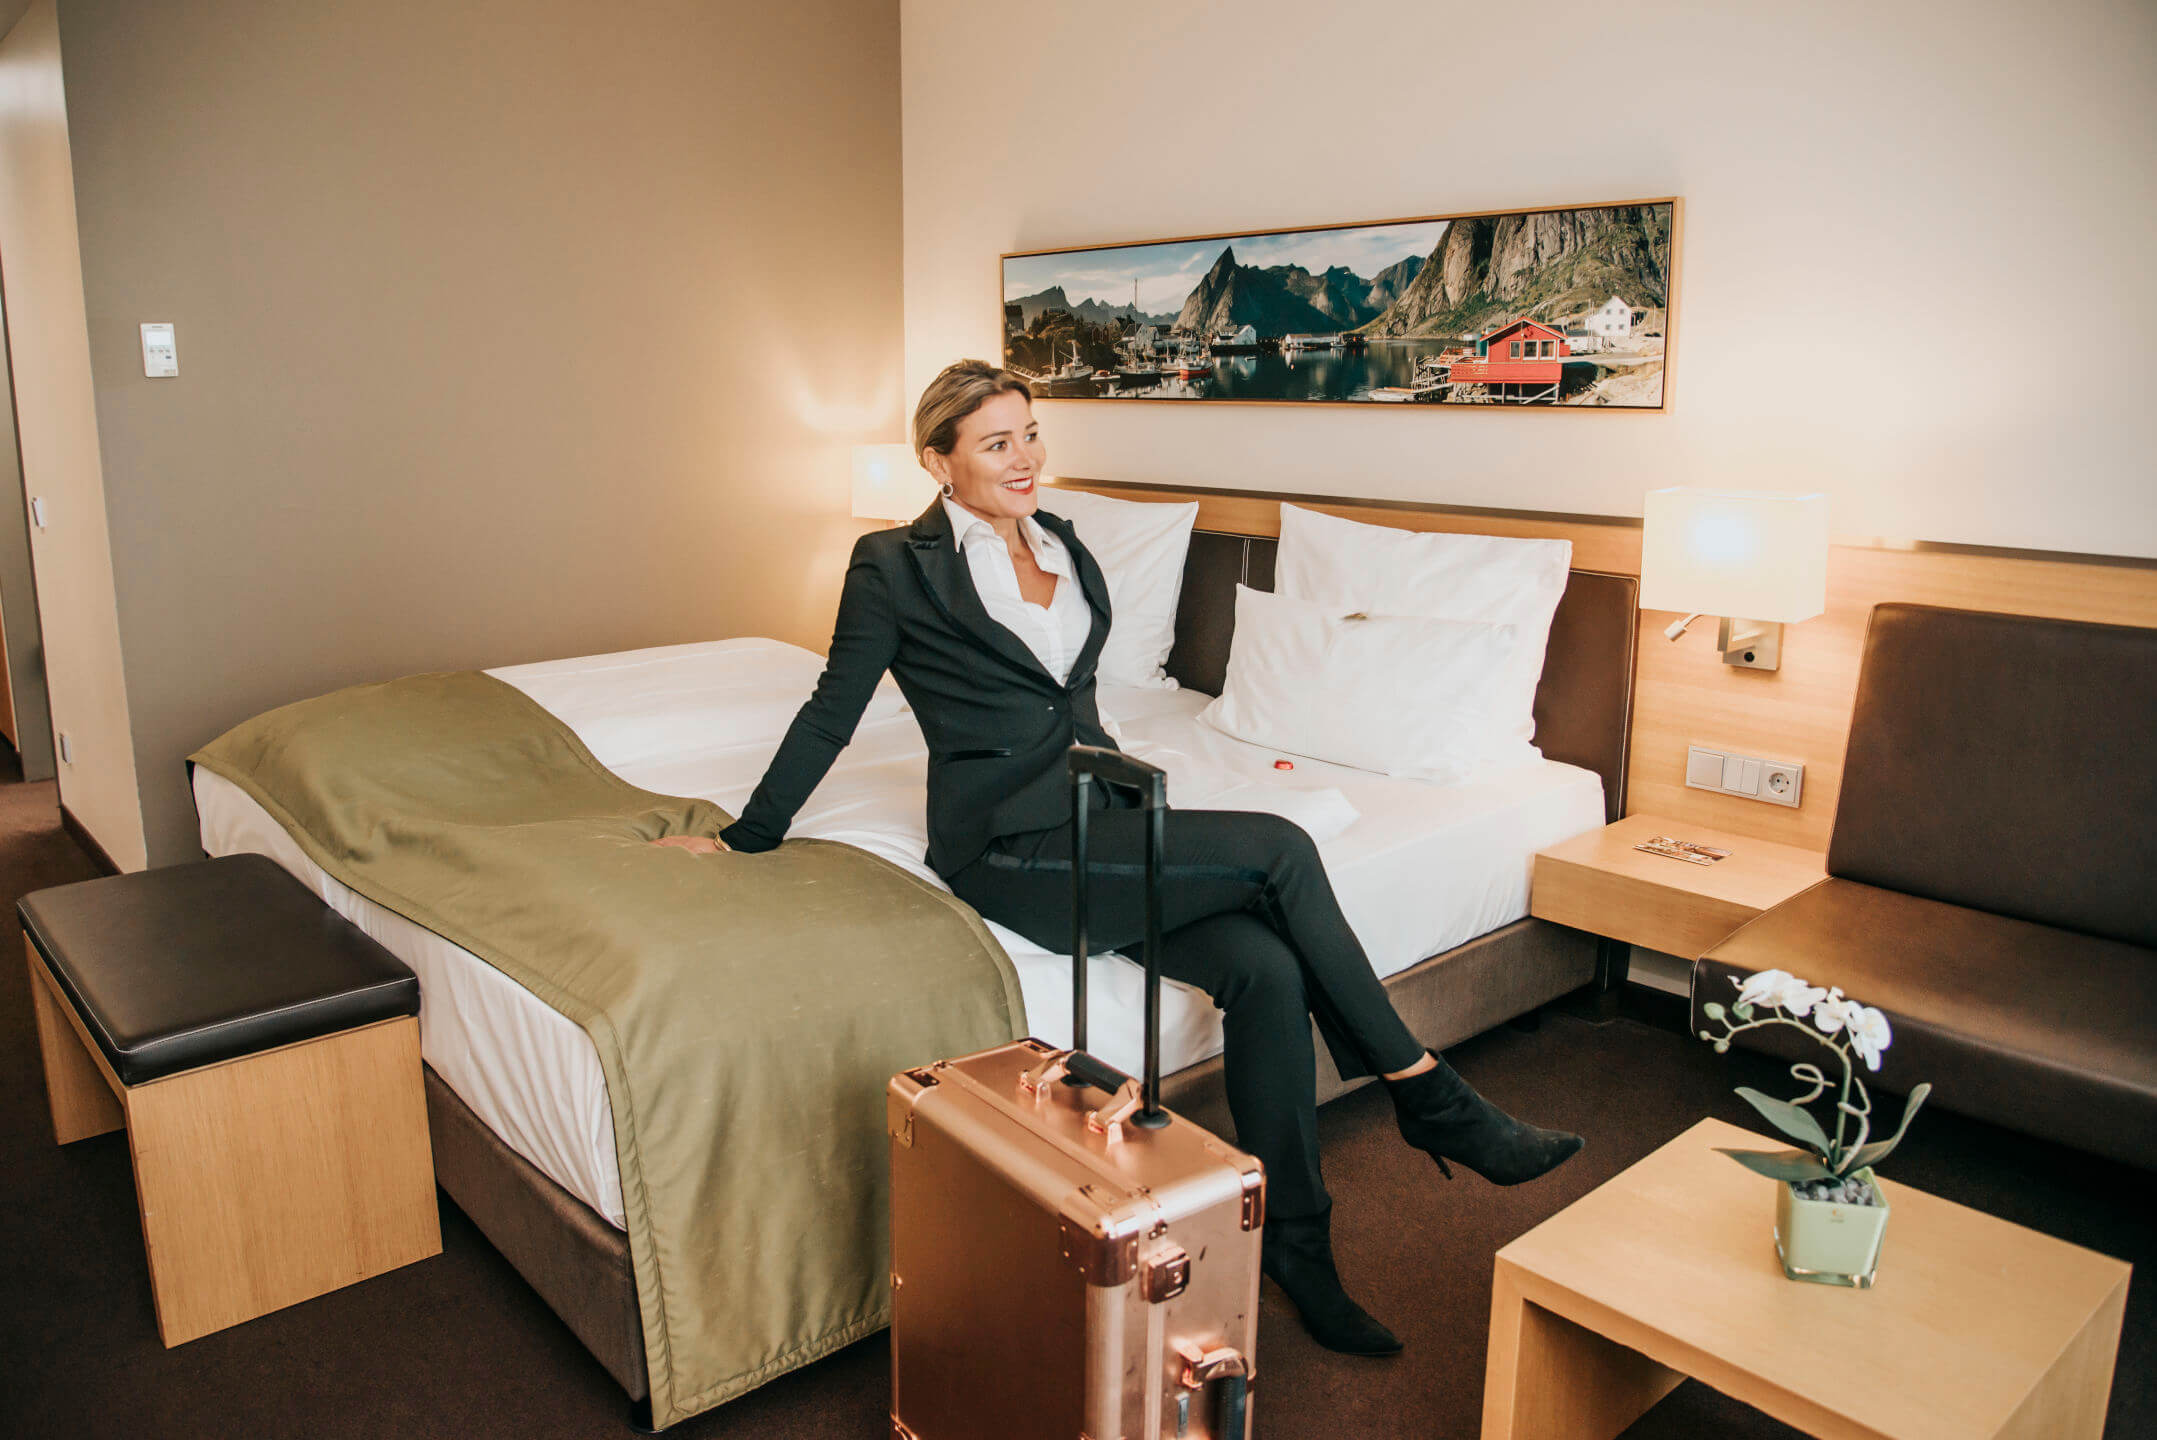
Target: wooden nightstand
[[1599, 883]]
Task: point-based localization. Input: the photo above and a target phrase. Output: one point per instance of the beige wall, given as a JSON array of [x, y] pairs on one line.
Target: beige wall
[[506, 331], [29, 706], [59, 440], [1895, 218]]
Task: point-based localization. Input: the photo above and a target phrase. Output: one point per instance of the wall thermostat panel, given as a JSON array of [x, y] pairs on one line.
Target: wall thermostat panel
[[160, 355]]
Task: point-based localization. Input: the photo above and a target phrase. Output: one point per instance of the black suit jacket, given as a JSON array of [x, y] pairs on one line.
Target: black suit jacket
[[996, 722]]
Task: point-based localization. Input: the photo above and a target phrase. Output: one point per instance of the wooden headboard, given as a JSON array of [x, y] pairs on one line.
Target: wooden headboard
[[1583, 707]]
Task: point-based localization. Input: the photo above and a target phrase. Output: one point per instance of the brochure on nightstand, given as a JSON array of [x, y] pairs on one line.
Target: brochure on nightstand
[[1685, 850]]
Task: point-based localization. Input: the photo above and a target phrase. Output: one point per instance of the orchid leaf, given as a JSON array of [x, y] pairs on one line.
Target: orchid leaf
[[1790, 1165], [1797, 1123], [1874, 1153]]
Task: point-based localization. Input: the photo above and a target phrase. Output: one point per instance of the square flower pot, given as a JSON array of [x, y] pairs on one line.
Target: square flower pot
[[1828, 1243]]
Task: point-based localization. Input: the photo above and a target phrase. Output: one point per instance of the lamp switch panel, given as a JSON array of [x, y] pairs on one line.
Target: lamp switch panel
[[1778, 782]]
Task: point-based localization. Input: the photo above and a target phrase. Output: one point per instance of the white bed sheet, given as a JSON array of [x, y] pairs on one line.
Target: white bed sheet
[[1422, 868]]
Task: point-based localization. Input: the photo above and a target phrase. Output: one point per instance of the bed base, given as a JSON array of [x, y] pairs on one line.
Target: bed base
[[579, 1264]]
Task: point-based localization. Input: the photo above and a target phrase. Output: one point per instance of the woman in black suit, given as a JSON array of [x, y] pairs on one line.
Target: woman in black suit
[[991, 616]]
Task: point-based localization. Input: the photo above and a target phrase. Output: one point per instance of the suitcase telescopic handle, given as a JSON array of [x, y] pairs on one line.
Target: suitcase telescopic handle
[[1087, 764]]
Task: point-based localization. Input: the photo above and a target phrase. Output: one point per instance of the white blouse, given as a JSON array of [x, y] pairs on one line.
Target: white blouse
[[1054, 634]]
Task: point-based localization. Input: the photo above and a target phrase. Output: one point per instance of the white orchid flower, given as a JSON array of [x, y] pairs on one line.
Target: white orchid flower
[[1781, 989], [1869, 1034], [1833, 1013], [1754, 989]]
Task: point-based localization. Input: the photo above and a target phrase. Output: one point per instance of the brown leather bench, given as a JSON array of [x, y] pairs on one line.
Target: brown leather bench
[[263, 1055], [1992, 875]]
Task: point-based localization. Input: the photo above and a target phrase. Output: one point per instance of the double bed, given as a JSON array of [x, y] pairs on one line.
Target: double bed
[[1434, 880]]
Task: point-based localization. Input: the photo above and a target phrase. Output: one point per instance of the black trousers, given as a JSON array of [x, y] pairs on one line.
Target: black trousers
[[1248, 916]]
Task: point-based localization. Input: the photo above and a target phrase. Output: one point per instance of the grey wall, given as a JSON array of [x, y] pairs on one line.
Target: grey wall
[[506, 331]]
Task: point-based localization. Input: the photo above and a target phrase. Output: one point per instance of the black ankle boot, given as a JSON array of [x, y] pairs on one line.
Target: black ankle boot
[[1441, 1113], [1297, 1255]]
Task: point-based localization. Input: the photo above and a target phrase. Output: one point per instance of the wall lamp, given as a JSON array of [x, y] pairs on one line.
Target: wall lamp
[[1755, 558], [889, 483]]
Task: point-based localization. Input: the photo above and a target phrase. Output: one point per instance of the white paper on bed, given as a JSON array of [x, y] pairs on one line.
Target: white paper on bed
[[1420, 869]]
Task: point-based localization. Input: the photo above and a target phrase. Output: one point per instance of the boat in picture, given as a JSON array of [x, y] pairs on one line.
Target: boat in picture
[[1072, 369], [1073, 378], [1188, 362]]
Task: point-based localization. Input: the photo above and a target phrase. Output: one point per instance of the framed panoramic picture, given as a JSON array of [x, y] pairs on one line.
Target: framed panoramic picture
[[1569, 307]]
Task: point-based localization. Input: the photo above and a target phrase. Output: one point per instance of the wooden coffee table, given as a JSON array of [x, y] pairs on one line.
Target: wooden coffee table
[[1976, 1327]]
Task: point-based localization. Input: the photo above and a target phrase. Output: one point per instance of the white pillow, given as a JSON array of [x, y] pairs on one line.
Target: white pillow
[[1400, 694], [1346, 566], [1140, 548]]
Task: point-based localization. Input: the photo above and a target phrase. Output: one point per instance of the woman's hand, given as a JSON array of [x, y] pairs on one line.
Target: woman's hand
[[694, 844]]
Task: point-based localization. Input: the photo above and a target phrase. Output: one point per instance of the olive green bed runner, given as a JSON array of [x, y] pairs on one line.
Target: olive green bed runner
[[747, 1009]]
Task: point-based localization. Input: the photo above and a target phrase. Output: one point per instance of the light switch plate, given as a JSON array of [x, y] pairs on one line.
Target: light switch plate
[[1704, 769], [1778, 782], [160, 354]]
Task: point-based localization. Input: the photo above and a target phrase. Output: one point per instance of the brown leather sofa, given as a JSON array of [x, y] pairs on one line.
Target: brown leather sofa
[[1992, 876]]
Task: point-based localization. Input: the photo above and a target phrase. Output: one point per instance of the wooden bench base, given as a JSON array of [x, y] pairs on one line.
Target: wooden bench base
[[263, 1181]]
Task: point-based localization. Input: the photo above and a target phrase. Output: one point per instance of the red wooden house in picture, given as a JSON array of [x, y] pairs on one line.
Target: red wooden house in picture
[[1522, 361]]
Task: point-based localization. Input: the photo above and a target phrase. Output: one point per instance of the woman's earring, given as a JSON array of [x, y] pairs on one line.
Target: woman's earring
[[944, 489]]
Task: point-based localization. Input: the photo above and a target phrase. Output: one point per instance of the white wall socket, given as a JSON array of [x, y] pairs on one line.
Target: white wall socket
[[67, 749], [1779, 782]]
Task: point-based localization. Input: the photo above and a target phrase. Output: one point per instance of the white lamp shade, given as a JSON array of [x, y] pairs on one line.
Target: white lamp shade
[[889, 483], [1740, 553]]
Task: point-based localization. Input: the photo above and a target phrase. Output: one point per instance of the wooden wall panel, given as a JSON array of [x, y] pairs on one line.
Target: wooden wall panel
[[1685, 695], [1801, 712], [1598, 543]]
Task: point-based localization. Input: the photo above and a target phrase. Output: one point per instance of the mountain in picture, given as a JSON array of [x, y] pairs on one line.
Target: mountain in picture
[[1389, 284], [1276, 300], [1547, 265], [1090, 310]]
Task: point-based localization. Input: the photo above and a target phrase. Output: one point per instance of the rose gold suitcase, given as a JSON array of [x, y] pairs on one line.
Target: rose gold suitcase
[[1069, 1264]]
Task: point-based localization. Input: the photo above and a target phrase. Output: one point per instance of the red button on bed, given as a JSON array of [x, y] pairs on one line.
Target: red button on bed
[[1284, 764]]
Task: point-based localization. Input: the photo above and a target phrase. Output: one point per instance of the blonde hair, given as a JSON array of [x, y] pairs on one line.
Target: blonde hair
[[955, 394]]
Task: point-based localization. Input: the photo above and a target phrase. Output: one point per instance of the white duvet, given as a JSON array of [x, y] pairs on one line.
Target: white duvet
[[1418, 868]]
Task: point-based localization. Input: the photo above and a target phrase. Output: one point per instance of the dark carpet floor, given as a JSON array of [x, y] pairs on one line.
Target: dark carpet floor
[[457, 1346]]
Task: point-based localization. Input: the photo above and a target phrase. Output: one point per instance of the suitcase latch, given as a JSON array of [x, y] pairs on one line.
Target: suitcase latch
[[1167, 1275]]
